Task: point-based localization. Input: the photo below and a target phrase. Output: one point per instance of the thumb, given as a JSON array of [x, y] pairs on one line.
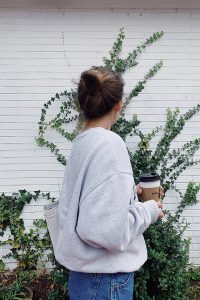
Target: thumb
[[160, 205], [138, 189]]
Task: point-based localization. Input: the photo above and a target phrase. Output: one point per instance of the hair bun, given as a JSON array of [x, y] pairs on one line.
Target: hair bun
[[92, 81], [99, 89]]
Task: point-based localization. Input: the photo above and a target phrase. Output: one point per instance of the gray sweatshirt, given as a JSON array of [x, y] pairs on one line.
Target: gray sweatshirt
[[101, 221]]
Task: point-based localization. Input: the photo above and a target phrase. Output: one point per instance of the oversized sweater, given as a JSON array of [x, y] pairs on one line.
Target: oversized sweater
[[101, 221]]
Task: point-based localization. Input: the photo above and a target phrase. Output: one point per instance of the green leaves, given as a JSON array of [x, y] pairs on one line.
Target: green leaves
[[170, 163], [18, 289], [69, 101], [174, 125], [26, 246], [121, 65], [63, 117], [130, 60], [165, 271], [189, 198], [114, 60], [124, 127]]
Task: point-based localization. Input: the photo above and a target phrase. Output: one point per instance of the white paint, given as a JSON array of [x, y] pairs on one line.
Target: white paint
[[36, 62]]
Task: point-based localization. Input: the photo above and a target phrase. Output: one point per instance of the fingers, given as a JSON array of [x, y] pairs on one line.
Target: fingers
[[162, 192], [160, 205], [161, 215], [138, 189]]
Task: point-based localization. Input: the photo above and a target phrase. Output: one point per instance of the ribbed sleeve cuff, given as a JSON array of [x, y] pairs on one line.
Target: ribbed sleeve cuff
[[153, 208]]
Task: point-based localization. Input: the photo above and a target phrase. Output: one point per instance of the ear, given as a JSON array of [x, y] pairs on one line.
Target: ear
[[118, 106]]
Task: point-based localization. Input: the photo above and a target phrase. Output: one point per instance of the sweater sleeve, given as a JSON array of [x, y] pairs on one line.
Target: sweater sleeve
[[107, 220]]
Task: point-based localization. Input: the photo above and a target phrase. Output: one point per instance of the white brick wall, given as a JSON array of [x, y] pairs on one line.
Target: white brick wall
[[41, 50]]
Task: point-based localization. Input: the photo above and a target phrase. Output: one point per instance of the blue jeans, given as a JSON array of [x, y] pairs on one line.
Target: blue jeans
[[100, 286]]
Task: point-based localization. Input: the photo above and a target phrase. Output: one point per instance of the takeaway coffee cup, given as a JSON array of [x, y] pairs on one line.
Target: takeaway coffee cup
[[150, 184]]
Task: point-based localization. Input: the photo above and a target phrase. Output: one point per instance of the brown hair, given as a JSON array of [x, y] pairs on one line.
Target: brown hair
[[99, 89]]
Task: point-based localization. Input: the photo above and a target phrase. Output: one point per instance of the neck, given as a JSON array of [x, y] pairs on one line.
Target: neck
[[103, 123]]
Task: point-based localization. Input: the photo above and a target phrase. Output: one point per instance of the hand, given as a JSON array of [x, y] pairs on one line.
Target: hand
[[160, 205]]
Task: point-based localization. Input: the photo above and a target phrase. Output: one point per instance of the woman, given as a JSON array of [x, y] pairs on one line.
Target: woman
[[101, 220]]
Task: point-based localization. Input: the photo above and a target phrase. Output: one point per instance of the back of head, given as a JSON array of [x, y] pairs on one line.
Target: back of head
[[99, 89]]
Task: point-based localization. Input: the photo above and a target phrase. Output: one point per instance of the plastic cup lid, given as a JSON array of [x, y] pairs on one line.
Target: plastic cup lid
[[146, 177]]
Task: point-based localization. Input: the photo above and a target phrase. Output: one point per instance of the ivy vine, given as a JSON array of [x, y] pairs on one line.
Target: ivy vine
[[69, 102]]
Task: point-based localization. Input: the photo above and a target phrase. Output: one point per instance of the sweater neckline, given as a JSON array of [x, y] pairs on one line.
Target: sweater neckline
[[88, 130]]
